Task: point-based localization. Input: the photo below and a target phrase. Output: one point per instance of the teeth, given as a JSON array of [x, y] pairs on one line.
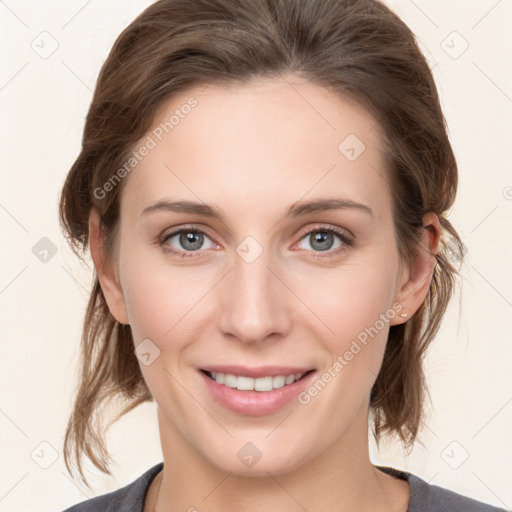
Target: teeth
[[249, 384]]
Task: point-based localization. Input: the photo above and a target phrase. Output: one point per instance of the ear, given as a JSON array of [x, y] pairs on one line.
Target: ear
[[416, 277], [106, 270]]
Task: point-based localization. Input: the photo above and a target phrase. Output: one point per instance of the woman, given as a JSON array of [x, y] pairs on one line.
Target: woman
[[263, 186]]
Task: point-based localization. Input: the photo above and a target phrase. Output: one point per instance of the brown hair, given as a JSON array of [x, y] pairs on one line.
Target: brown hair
[[356, 48]]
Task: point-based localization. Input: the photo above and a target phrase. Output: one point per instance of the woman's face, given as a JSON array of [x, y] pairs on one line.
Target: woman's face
[[260, 276]]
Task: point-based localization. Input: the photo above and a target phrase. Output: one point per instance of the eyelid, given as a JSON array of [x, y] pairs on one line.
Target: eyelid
[[172, 232], [345, 235]]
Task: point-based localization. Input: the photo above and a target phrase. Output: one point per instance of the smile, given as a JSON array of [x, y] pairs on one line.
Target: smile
[[259, 394], [244, 383]]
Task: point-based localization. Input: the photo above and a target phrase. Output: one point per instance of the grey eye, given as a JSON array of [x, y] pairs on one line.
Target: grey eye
[[189, 240], [321, 240]]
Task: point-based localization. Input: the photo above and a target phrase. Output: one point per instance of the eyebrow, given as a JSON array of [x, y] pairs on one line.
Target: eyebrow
[[295, 210]]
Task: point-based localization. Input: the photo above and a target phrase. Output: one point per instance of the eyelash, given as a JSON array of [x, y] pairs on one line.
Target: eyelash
[[347, 241]]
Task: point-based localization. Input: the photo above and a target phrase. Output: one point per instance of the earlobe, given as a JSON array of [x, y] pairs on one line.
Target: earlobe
[[105, 268], [419, 273]]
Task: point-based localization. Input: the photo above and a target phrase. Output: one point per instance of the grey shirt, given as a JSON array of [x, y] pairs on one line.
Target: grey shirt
[[424, 497]]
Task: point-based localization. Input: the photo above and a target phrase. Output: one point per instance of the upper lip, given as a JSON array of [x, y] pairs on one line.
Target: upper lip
[[257, 371]]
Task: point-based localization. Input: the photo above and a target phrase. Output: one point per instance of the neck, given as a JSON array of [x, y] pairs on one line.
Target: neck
[[342, 478]]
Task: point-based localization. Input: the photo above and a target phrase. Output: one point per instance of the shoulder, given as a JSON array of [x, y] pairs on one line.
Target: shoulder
[[432, 498], [127, 499]]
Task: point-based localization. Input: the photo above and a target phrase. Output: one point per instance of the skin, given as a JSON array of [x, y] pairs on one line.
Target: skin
[[252, 151]]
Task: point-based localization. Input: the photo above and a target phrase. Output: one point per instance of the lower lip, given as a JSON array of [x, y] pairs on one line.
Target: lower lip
[[255, 403]]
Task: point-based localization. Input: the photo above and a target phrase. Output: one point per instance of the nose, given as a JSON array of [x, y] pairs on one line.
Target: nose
[[254, 302]]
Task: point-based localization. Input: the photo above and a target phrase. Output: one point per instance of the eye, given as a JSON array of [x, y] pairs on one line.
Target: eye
[[186, 240], [330, 240], [321, 241]]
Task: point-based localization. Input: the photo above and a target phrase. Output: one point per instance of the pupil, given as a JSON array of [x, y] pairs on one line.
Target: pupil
[[322, 240], [191, 240]]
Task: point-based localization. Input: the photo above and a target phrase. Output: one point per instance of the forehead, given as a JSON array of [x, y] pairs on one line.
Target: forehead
[[251, 146]]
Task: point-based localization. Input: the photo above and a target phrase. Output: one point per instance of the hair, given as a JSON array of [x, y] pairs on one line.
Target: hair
[[355, 48]]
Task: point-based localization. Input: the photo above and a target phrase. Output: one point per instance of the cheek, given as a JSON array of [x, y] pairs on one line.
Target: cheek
[[351, 298], [354, 305], [161, 300], [164, 307]]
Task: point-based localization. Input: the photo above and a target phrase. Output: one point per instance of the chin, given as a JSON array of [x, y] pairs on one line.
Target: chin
[[248, 461]]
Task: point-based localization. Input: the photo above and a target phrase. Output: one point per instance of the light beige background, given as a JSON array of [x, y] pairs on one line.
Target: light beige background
[[43, 103]]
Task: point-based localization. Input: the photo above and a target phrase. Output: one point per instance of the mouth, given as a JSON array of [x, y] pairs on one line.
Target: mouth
[[265, 383], [255, 391]]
